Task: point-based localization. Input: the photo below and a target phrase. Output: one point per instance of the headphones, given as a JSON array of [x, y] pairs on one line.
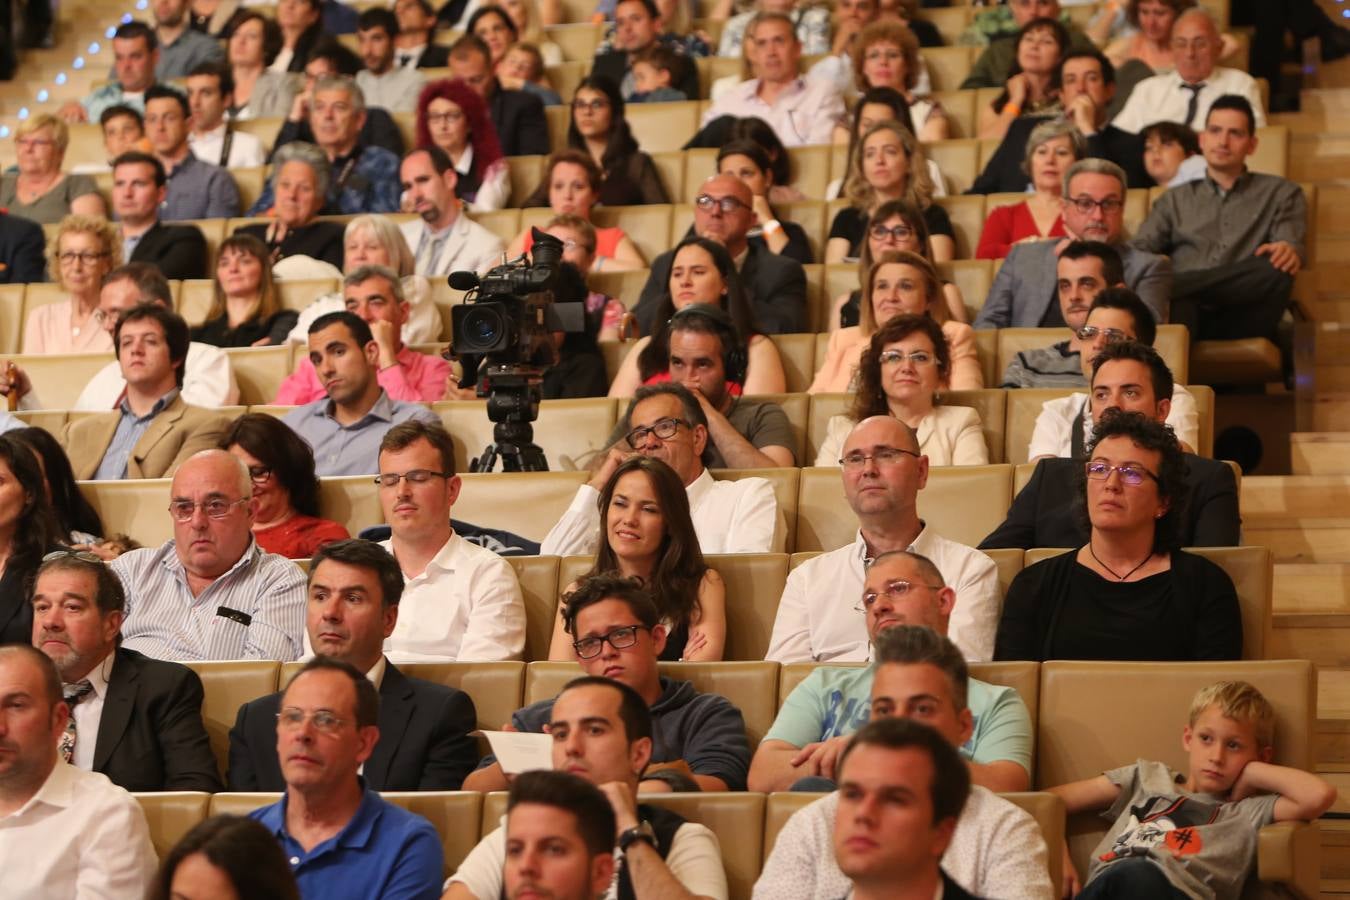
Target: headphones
[[716, 320]]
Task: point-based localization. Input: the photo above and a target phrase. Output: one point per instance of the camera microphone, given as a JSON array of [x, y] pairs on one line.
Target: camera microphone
[[463, 281]]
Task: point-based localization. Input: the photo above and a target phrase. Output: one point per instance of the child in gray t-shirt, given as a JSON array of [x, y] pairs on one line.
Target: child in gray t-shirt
[[1194, 835]]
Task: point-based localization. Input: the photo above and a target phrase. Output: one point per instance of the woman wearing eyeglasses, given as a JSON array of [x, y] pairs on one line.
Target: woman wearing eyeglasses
[[450, 115], [285, 489], [573, 182], [39, 190], [1052, 147], [28, 530], [84, 250], [1130, 593], [899, 374], [648, 535], [899, 283]]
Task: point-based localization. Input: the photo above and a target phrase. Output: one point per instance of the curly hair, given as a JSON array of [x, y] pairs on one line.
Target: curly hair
[[487, 149], [887, 31], [1147, 434], [918, 183], [869, 396], [103, 230], [867, 322]]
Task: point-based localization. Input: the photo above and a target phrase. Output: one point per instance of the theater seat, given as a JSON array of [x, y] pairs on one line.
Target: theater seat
[[454, 815], [51, 420], [172, 814], [492, 500], [1248, 361], [228, 685], [195, 298], [298, 293], [60, 377], [958, 160], [738, 821], [795, 407], [648, 226], [496, 687], [949, 66], [662, 126], [798, 353], [538, 576], [526, 172], [1172, 344], [11, 317], [259, 371], [569, 431], [966, 212], [135, 507], [352, 501]]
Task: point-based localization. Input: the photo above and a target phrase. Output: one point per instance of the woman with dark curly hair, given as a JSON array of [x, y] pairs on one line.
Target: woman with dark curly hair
[[647, 534], [222, 854], [450, 115], [285, 489], [898, 375], [28, 531], [1130, 593]]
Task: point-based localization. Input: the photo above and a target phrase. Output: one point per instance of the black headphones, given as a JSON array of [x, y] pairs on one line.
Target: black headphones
[[735, 359]]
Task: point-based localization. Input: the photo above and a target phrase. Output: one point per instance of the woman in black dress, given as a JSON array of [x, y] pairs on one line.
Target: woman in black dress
[[28, 530]]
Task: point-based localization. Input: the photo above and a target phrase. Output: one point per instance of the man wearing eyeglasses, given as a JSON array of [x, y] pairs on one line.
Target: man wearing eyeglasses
[[1130, 377], [700, 742], [1093, 207], [211, 592], [443, 238], [152, 431], [135, 719], [883, 472], [342, 839], [355, 589], [901, 588]]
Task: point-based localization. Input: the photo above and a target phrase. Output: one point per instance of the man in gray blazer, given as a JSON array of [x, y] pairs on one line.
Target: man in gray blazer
[[1025, 291]]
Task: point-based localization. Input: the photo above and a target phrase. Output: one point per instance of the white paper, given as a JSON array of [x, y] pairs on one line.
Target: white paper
[[521, 751]]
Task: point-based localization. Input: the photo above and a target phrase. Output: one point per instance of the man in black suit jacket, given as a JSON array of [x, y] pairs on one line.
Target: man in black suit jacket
[[637, 26], [414, 45], [522, 127], [22, 251], [354, 590], [137, 720], [178, 251], [775, 285]]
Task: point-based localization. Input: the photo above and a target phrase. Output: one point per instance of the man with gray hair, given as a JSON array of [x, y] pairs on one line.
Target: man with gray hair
[[1025, 292], [211, 592], [297, 192], [375, 294], [364, 178]]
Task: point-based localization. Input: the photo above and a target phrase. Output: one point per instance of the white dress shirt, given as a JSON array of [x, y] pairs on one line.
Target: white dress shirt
[[465, 607], [996, 850], [80, 836], [395, 90], [739, 516], [246, 150], [88, 713], [208, 382], [1053, 433], [1162, 98], [468, 247], [816, 621], [494, 188], [804, 113]]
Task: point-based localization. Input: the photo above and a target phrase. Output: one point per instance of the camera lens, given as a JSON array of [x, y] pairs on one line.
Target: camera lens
[[482, 328]]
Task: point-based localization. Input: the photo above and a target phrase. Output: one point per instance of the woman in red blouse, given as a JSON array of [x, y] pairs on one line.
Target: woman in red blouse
[[1053, 146]]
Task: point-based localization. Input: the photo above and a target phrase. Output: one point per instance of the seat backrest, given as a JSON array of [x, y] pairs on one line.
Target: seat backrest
[[670, 169], [250, 182], [11, 317], [569, 431], [259, 371], [228, 685], [738, 821], [52, 420], [648, 226], [172, 814], [241, 803], [662, 126], [526, 171], [785, 490], [991, 404], [778, 808], [538, 577], [948, 66], [454, 815], [624, 286], [966, 213], [504, 223], [1172, 343], [1024, 405], [1272, 153], [1048, 811], [794, 406], [195, 298], [495, 687], [492, 500], [958, 105], [135, 507], [1009, 563], [61, 376], [810, 214], [798, 353], [353, 501], [298, 293]]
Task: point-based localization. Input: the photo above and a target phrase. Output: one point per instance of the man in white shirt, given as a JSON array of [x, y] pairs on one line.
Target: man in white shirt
[[602, 732], [740, 516], [461, 602], [801, 111], [883, 472], [443, 239], [64, 832], [1185, 94], [385, 85], [210, 90]]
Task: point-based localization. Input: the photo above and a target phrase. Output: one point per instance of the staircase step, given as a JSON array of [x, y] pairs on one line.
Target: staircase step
[[1312, 589], [1331, 409], [1320, 452]]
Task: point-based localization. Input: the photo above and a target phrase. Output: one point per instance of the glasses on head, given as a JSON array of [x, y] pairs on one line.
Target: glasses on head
[[664, 429], [1113, 335], [449, 117], [216, 508], [85, 257], [81, 555], [726, 204], [1086, 205], [413, 476], [895, 232], [259, 474], [884, 456], [893, 593], [619, 639], [917, 357], [595, 105], [1129, 473], [324, 720]]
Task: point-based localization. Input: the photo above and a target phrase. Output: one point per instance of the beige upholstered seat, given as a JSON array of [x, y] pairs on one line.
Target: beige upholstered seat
[[172, 814], [228, 685], [351, 500], [569, 431], [59, 378], [492, 500], [259, 371], [538, 577], [136, 507]]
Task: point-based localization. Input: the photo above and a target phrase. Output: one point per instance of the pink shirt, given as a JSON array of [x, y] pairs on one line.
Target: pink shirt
[[417, 378], [48, 331]]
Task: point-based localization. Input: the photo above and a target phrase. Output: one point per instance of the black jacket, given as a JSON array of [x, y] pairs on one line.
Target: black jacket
[[775, 285], [435, 56], [179, 251], [319, 239], [23, 256], [521, 125], [1003, 173], [424, 739]]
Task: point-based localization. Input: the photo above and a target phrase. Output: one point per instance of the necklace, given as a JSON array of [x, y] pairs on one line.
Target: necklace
[[1113, 571]]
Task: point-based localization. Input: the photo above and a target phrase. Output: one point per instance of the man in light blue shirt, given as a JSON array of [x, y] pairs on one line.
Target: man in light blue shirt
[[345, 428]]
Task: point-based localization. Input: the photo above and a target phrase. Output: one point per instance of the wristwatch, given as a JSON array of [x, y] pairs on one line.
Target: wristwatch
[[643, 831]]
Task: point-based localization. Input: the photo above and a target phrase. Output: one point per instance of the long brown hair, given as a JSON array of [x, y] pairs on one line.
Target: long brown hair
[[269, 303]]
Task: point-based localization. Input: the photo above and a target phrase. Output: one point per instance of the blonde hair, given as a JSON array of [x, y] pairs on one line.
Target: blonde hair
[[918, 185], [935, 309], [101, 228], [389, 236], [1239, 701], [60, 133]]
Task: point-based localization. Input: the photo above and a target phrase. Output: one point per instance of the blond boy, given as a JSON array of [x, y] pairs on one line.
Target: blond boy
[[1194, 836]]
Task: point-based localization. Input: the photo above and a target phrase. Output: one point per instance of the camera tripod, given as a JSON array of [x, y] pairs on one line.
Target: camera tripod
[[513, 405]]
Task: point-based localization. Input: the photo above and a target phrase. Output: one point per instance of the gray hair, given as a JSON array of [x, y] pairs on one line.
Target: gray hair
[[343, 83], [367, 272], [308, 154], [1094, 166], [387, 233], [1049, 130], [1204, 14]]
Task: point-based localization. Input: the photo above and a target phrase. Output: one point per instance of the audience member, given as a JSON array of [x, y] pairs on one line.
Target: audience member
[[1110, 599], [914, 355], [123, 130], [491, 25], [65, 829], [254, 44], [994, 66], [851, 18], [39, 190], [775, 285], [451, 117], [213, 138], [139, 186], [887, 57], [749, 162], [424, 743], [877, 105], [135, 58], [572, 185], [607, 314], [153, 430], [300, 175], [181, 47], [1148, 38], [443, 238], [1052, 147], [246, 310], [194, 189], [330, 59], [341, 837], [883, 472], [730, 516], [522, 69], [604, 732], [28, 530], [414, 43], [561, 830], [920, 679], [384, 84], [22, 250], [301, 28], [1031, 82], [280, 465], [529, 18], [211, 592], [517, 115], [1172, 154], [83, 251], [226, 851], [656, 71], [1236, 238], [78, 523], [1094, 210], [812, 25], [638, 26], [134, 719]]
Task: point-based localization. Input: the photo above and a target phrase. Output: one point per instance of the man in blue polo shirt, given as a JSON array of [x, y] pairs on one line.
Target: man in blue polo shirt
[[342, 839]]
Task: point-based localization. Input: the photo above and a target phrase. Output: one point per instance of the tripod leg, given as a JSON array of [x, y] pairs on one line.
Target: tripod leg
[[485, 462]]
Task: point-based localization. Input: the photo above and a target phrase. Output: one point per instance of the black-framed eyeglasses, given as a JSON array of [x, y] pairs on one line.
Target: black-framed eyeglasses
[[727, 204], [1129, 473], [895, 232], [894, 592], [81, 555], [324, 720], [413, 476], [884, 456], [595, 105], [1109, 206], [259, 474], [618, 638], [1113, 335], [664, 429], [217, 508]]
